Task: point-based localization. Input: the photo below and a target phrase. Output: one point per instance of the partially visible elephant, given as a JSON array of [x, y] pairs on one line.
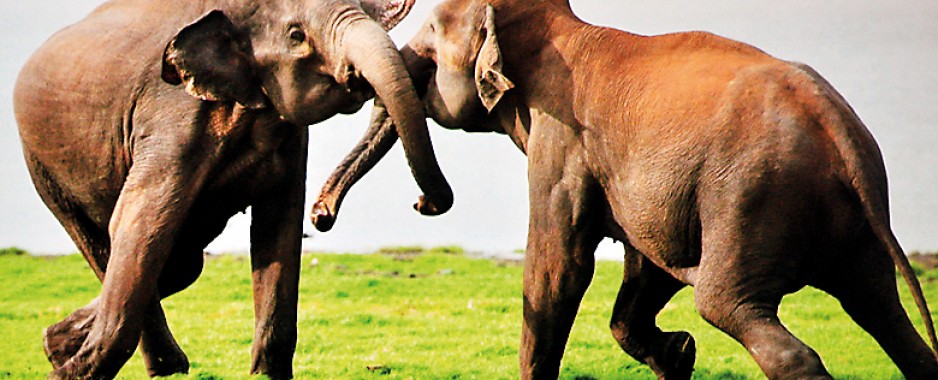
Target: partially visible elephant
[[716, 164], [147, 125]]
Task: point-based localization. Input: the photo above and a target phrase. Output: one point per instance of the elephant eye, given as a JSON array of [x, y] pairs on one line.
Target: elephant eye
[[299, 43], [297, 36]]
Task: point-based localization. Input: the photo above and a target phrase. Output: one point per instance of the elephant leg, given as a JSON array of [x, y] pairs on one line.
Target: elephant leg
[[159, 349], [753, 321], [644, 292], [276, 237], [741, 282], [866, 288], [557, 272], [147, 215], [161, 353], [559, 261], [62, 340]]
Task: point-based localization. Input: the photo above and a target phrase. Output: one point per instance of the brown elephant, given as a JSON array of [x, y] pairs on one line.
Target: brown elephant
[[143, 173], [716, 164]]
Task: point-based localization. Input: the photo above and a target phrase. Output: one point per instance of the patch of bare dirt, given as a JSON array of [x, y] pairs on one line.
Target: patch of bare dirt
[[927, 260]]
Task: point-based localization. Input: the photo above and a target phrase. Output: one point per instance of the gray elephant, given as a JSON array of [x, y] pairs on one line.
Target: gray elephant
[[717, 165], [147, 125]]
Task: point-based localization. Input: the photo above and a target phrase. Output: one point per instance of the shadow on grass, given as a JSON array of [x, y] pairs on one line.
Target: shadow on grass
[[704, 373], [699, 374]]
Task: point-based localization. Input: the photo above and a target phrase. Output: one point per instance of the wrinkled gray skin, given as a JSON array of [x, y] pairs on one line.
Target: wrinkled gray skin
[[715, 164], [147, 125]]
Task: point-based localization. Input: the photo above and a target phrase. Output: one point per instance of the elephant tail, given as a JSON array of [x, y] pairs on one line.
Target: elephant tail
[[864, 172], [877, 215]]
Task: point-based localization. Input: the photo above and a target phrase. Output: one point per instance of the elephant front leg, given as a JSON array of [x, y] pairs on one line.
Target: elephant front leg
[[161, 354], [645, 290], [275, 258], [559, 262], [276, 237]]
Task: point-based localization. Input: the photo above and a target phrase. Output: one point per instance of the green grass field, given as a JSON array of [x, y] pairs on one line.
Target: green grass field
[[434, 315]]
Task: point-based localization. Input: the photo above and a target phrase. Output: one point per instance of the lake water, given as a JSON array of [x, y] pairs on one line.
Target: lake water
[[880, 55]]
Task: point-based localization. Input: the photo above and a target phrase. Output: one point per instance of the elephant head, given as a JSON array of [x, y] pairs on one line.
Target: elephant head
[[456, 65], [306, 61]]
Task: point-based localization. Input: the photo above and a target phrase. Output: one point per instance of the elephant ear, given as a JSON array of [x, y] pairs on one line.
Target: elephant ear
[[214, 62], [490, 80], [388, 13]]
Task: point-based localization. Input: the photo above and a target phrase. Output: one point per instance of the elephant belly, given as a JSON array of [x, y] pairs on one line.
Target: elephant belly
[[660, 220], [205, 222]]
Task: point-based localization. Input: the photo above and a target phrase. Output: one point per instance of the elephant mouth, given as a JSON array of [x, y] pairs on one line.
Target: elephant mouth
[[360, 91], [351, 108]]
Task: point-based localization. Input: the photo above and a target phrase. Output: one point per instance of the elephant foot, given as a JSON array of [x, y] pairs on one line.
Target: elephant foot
[[62, 340], [82, 368], [69, 371], [168, 367], [166, 362], [673, 356]]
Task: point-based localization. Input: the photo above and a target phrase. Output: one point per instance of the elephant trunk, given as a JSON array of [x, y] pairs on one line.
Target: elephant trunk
[[377, 141], [371, 51]]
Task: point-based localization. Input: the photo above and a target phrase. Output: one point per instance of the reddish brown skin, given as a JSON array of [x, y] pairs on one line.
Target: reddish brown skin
[[717, 165], [143, 168]]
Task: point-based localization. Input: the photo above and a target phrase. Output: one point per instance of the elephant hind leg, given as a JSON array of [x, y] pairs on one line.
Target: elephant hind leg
[[91, 239], [644, 292], [754, 322], [62, 340], [866, 288], [740, 284]]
